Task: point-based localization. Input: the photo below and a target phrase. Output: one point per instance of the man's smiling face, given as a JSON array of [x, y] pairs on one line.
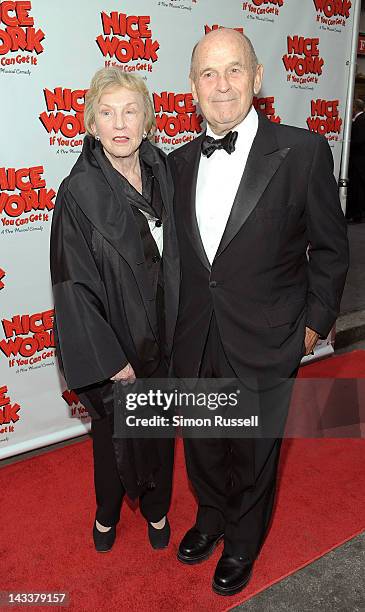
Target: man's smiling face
[[224, 79]]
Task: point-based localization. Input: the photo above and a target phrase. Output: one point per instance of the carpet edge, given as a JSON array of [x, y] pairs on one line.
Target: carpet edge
[[297, 569]]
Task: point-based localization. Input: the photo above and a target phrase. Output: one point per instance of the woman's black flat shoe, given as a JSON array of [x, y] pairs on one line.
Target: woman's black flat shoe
[[159, 538], [104, 540]]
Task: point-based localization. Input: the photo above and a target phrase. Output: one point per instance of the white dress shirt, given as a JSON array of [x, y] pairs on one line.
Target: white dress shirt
[[218, 179], [156, 230]]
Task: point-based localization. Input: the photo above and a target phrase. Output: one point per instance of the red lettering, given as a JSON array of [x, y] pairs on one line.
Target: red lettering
[[265, 105], [208, 29], [126, 50], [27, 347], [70, 397], [3, 400], [34, 40], [328, 108], [48, 316], [12, 179], [18, 38], [52, 123], [13, 327], [303, 46], [303, 65], [170, 102], [9, 414], [122, 25], [68, 125], [16, 204], [21, 10], [275, 2], [28, 323], [5, 42], [324, 126], [176, 124], [333, 7], [108, 46], [11, 347], [15, 39], [65, 99], [2, 274], [30, 199], [12, 204]]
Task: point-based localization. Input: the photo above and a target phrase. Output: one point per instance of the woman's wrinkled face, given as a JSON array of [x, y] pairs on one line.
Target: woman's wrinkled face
[[120, 121]]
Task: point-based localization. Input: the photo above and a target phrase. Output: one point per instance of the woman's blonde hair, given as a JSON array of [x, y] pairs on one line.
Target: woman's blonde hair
[[108, 78]]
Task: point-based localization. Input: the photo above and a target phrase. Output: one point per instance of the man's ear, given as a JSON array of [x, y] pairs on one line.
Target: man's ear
[[258, 79], [193, 91]]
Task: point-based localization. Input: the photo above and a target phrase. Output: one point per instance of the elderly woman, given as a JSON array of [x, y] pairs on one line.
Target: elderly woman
[[115, 295]]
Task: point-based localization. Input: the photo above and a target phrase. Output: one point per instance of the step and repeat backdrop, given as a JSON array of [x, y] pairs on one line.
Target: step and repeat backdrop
[[48, 54]]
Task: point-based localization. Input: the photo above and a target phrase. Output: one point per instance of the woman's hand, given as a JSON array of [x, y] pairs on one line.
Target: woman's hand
[[125, 376]]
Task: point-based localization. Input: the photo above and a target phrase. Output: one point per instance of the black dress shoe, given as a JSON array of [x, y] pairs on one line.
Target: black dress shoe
[[159, 538], [232, 574], [104, 540], [196, 546]]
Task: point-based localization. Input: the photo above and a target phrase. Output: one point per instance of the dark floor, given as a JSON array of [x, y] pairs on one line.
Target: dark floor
[[334, 583]]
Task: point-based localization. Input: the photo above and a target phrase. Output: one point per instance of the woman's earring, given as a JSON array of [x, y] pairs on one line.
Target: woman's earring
[[97, 137], [144, 135]]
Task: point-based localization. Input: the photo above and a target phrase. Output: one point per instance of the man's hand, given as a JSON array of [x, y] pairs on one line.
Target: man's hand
[[310, 341], [125, 376]]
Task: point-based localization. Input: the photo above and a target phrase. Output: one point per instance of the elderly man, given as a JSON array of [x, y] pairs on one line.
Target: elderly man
[[251, 197]]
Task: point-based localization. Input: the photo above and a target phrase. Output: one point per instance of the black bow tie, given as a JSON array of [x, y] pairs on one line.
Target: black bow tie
[[209, 144]]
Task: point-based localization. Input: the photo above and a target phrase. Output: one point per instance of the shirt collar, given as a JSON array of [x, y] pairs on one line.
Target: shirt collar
[[246, 129]]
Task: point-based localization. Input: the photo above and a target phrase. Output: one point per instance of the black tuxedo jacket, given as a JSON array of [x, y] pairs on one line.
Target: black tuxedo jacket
[[261, 286], [104, 296]]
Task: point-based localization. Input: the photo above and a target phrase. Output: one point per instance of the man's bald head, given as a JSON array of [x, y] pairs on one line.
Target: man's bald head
[[216, 36], [225, 75]]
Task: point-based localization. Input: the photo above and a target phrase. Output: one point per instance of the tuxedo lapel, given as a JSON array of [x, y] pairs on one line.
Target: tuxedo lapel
[[189, 176], [263, 161]]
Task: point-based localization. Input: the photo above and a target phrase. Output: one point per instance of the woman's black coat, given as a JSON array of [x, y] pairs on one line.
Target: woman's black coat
[[105, 303]]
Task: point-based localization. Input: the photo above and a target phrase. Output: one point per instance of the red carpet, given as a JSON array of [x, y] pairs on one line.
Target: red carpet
[[47, 512], [328, 399], [348, 365]]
